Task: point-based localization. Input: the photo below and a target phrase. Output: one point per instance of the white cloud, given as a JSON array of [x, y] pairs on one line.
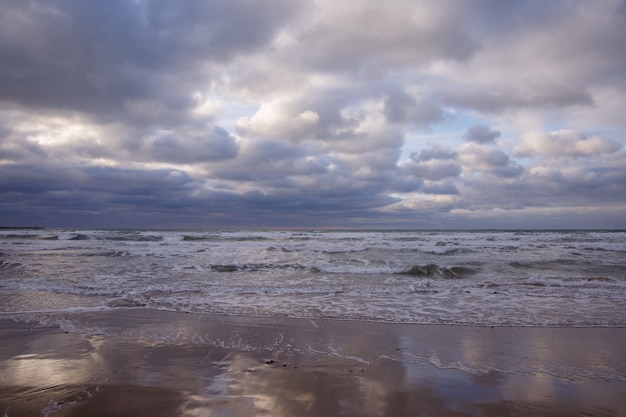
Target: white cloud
[[279, 120], [479, 158], [206, 107], [565, 143]]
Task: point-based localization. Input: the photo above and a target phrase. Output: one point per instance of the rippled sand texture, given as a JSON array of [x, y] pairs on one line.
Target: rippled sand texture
[[158, 363]]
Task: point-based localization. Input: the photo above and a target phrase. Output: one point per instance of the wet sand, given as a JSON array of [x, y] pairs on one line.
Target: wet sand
[[138, 362]]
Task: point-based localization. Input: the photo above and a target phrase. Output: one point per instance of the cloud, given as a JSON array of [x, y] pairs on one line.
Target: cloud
[[542, 58], [320, 113], [198, 146], [436, 152], [106, 180], [366, 36], [565, 143], [106, 57], [269, 163], [402, 107], [439, 187], [479, 158], [532, 94], [434, 163], [274, 120], [481, 134], [14, 150]]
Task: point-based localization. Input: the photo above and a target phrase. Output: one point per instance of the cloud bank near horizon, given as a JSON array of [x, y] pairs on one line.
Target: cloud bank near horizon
[[403, 113]]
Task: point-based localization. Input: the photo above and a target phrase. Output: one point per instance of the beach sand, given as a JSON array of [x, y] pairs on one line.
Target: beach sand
[[139, 362]]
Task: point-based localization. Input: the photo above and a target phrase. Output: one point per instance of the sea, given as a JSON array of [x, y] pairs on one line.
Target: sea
[[562, 278]]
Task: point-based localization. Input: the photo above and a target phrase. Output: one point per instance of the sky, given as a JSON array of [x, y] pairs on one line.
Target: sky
[[315, 113]]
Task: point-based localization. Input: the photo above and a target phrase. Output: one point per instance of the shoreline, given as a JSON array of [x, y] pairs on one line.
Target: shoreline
[[32, 316], [151, 362]]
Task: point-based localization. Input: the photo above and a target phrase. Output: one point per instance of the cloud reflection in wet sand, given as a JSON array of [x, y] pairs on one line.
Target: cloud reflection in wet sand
[[242, 366]]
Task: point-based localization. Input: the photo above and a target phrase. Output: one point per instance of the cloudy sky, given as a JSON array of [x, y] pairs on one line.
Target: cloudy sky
[[313, 113]]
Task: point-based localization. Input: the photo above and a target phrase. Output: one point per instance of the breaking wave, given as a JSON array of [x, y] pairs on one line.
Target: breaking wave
[[526, 278], [436, 271]]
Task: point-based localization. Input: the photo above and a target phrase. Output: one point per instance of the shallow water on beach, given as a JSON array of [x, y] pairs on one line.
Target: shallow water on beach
[[485, 278], [145, 362]]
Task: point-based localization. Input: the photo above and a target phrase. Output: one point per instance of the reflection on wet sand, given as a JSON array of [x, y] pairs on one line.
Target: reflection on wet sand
[[157, 363]]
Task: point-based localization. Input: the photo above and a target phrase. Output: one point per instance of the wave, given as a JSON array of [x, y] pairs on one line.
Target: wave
[[191, 238], [455, 251], [572, 266], [254, 267], [79, 237], [188, 238], [125, 302], [20, 236], [282, 249], [9, 265], [584, 282], [556, 263], [343, 251], [141, 238], [355, 266], [116, 254], [408, 239], [436, 271], [30, 236]]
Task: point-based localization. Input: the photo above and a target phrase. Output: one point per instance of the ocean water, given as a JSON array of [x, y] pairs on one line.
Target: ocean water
[[485, 278]]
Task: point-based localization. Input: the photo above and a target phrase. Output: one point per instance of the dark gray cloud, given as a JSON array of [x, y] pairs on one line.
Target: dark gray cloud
[[402, 107], [17, 150], [432, 168], [481, 134], [35, 179], [272, 163], [432, 165], [190, 147], [101, 57], [535, 191], [401, 113]]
